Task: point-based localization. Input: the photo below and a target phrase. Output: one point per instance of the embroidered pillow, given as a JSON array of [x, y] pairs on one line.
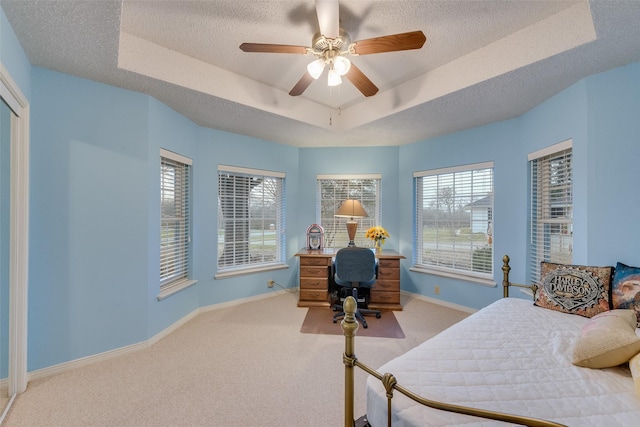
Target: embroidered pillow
[[606, 340], [574, 289], [626, 289]]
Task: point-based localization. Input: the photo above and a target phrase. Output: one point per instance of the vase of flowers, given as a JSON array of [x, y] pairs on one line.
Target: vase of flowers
[[378, 234]]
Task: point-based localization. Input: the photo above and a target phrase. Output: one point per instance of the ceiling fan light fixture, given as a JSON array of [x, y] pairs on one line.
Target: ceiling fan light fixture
[[315, 68], [341, 65], [334, 78]]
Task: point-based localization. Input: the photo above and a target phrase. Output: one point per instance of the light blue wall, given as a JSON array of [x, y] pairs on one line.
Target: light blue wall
[[600, 114], [560, 118], [613, 230], [223, 148], [498, 142], [89, 218], [175, 133], [95, 221]]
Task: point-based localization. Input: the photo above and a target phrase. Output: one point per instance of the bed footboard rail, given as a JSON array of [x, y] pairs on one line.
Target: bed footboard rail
[[350, 327], [506, 283]]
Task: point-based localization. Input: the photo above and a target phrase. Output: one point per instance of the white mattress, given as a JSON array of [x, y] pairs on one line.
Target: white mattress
[[510, 357]]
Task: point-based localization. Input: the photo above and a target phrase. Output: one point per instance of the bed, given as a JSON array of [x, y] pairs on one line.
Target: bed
[[511, 357]]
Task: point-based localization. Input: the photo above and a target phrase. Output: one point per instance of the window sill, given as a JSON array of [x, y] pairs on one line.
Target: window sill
[[174, 288], [475, 278], [250, 270]]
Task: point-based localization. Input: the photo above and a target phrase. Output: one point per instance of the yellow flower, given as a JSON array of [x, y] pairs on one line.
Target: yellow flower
[[376, 233]]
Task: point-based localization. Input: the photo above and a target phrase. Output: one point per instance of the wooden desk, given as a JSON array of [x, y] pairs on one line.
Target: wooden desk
[[315, 274]]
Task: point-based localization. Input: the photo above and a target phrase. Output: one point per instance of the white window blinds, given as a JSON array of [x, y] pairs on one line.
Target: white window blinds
[[251, 229], [332, 190], [175, 176], [551, 198], [454, 219]]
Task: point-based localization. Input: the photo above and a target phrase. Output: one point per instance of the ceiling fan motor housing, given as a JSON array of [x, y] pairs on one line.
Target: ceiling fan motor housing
[[321, 43]]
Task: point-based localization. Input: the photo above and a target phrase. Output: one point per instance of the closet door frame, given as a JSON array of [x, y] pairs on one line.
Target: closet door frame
[[19, 235]]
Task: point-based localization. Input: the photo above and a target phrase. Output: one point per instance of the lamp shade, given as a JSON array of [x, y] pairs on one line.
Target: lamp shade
[[315, 68], [333, 79], [351, 208], [341, 65]]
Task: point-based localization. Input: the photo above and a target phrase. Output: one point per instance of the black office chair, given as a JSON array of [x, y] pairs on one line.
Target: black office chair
[[355, 269]]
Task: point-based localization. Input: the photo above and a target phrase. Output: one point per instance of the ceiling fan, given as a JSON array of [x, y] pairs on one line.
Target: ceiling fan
[[332, 46]]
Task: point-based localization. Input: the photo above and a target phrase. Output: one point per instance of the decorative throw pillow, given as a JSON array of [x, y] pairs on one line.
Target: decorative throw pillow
[[634, 366], [574, 289], [626, 289], [606, 340]]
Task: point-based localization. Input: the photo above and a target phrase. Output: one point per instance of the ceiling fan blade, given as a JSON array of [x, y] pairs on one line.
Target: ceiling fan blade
[[328, 18], [360, 81], [392, 43], [272, 48], [302, 85]]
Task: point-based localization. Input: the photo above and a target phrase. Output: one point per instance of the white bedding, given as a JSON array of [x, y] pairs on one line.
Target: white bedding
[[510, 357]]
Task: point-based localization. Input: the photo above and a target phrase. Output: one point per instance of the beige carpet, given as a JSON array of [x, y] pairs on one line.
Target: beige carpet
[[319, 320], [247, 365]]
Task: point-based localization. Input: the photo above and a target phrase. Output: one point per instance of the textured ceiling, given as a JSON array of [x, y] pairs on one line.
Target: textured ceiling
[[483, 61]]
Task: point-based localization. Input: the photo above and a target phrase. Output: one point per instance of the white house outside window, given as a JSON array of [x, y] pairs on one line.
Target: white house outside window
[[251, 212], [175, 218], [551, 198], [454, 221], [332, 190]]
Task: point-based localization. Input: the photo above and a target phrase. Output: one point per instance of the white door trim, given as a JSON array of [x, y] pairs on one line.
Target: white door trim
[[19, 236]]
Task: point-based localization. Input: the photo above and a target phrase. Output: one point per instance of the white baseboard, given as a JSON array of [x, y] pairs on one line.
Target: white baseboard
[[440, 302], [100, 357], [242, 301], [84, 361]]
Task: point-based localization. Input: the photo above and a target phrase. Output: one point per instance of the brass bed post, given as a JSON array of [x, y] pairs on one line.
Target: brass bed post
[[349, 327], [505, 276], [506, 283]]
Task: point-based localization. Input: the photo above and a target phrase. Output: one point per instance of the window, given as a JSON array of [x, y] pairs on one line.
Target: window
[[332, 190], [175, 218], [251, 230], [454, 221], [550, 184]]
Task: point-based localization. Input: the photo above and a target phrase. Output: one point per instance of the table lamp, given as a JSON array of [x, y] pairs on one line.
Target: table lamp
[[351, 209]]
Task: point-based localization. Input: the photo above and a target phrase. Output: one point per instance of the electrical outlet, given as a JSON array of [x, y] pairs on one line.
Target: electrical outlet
[[270, 283], [436, 290]]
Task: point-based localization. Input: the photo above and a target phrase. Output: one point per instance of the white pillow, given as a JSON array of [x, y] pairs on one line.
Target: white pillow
[[634, 365], [607, 339]]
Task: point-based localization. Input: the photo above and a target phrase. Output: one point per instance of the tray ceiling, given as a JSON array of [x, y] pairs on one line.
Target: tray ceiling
[[483, 60]]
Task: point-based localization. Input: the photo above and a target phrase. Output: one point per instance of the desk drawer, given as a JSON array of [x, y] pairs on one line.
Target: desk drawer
[[383, 285], [384, 297], [312, 283], [322, 272], [389, 273], [390, 263], [318, 261], [314, 295]]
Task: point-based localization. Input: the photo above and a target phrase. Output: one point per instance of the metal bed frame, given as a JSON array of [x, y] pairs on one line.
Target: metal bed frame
[[350, 327]]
